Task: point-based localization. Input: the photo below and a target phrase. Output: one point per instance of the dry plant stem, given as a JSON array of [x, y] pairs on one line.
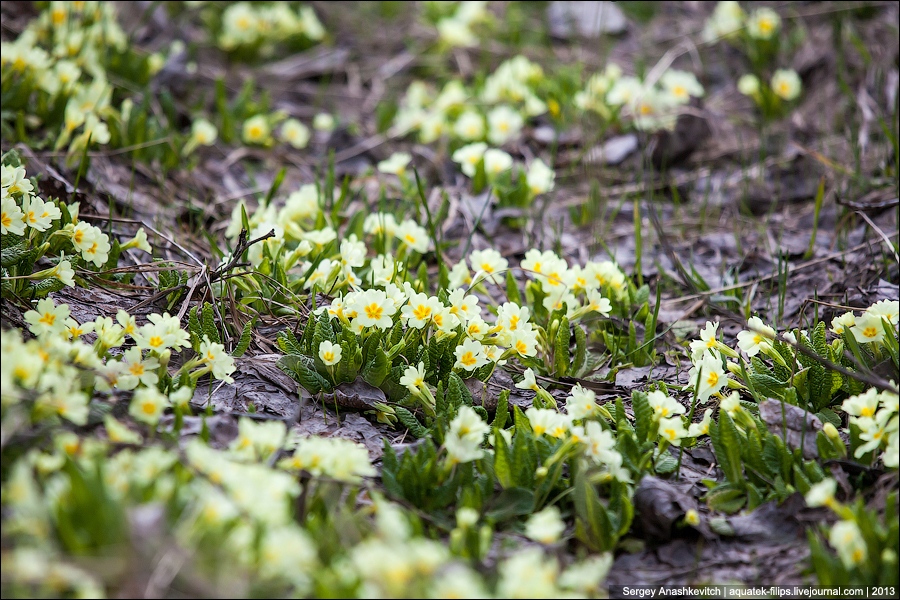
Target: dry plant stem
[[790, 269], [887, 240]]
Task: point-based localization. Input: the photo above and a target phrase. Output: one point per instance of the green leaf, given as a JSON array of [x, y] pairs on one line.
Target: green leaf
[[592, 521], [511, 502], [411, 422], [246, 335], [311, 381], [502, 468], [194, 328], [287, 342], [563, 335], [643, 415], [580, 351], [376, 369], [502, 413], [512, 289], [457, 393], [209, 323], [727, 497]]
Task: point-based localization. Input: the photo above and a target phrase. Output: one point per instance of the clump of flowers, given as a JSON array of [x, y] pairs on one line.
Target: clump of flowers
[[648, 105]]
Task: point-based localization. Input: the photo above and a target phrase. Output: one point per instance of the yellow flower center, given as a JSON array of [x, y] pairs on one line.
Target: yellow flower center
[[870, 332], [31, 217], [156, 341], [48, 319], [857, 555], [5, 219], [328, 356], [422, 312], [487, 268], [148, 407], [513, 322], [713, 379], [374, 312], [757, 339], [521, 347], [867, 411], [136, 369], [670, 433], [410, 238], [438, 319], [468, 359], [766, 26]]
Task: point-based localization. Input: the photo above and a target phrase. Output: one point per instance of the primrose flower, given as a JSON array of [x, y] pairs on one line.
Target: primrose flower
[[469, 126], [413, 235], [213, 355], [672, 430], [540, 177], [706, 342], [786, 84], [462, 451], [469, 156], [545, 420], [74, 330], [48, 318], [256, 130], [396, 164], [469, 426], [597, 303], [12, 218], [524, 342], [873, 431], [848, 540], [463, 305], [504, 124], [139, 241], [98, 253], [731, 404], [701, 428], [751, 341], [822, 493], [748, 84], [330, 353], [681, 85], [62, 271], [528, 381], [444, 320], [84, 235], [39, 214], [664, 406], [455, 32], [727, 18], [148, 405], [137, 370], [119, 433], [203, 133], [709, 368], [488, 261], [862, 405], [545, 526], [324, 122], [373, 309], [868, 328], [14, 180], [496, 162], [843, 322], [295, 133], [419, 310], [581, 403], [414, 378], [380, 223], [600, 444], [763, 23], [476, 328], [886, 309], [470, 355]]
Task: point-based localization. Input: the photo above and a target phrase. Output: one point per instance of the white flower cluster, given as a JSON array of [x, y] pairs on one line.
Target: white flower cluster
[[459, 112], [246, 24], [876, 415], [869, 326], [79, 36], [728, 19], [651, 105]]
